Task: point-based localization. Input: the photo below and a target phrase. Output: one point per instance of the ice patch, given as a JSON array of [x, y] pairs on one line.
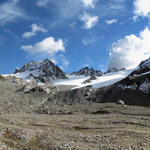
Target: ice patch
[[145, 87], [105, 80]]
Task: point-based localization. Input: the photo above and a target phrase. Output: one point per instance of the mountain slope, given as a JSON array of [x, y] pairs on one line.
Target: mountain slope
[[132, 86], [134, 89], [46, 71], [102, 81], [43, 72], [86, 71], [139, 79]]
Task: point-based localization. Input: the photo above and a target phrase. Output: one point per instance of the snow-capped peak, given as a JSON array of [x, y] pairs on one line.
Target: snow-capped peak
[[145, 63], [86, 71], [44, 71]]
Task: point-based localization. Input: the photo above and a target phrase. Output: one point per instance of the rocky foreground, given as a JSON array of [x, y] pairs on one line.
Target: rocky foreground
[[34, 117], [87, 127]]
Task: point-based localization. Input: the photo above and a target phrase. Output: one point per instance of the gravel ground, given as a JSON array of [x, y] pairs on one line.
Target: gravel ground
[[78, 131], [26, 125]]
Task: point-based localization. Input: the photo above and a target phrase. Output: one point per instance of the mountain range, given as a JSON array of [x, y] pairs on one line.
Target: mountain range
[[133, 86], [47, 71]]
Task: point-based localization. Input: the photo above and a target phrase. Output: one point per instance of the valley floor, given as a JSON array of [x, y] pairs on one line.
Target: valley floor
[[91, 127], [42, 121]]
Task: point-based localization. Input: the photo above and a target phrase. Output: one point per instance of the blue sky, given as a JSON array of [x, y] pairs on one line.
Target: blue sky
[[74, 33]]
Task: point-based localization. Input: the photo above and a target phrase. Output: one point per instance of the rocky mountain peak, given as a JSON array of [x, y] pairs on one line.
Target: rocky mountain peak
[[88, 72], [45, 71], [136, 85], [143, 68], [145, 63]]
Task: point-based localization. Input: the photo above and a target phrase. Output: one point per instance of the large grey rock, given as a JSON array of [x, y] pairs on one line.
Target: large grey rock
[[39, 88]]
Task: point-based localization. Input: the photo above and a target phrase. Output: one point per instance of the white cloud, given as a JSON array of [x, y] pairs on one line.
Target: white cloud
[[142, 8], [35, 28], [111, 21], [135, 18], [130, 51], [48, 46], [42, 3], [118, 0], [89, 20], [9, 11], [86, 3], [89, 3]]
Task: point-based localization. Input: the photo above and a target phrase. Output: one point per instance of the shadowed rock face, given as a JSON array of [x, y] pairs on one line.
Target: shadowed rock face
[[88, 72], [134, 90], [46, 71]]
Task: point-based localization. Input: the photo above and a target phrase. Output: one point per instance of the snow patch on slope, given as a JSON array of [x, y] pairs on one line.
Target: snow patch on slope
[[145, 87], [25, 75], [103, 81], [72, 80]]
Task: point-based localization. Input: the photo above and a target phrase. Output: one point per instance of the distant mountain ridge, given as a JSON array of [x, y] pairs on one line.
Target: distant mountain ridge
[[131, 86], [86, 71], [47, 71]]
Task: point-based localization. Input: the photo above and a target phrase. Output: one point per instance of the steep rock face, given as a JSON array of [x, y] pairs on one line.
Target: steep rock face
[[143, 68], [134, 89], [44, 71], [140, 78], [88, 72]]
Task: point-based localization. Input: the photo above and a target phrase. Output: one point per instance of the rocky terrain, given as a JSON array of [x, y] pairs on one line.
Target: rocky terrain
[[134, 89], [94, 127], [33, 117], [88, 72], [58, 117], [47, 71], [43, 72]]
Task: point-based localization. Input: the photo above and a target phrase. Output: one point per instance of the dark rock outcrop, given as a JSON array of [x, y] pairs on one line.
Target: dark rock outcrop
[[134, 89], [88, 72], [44, 71]]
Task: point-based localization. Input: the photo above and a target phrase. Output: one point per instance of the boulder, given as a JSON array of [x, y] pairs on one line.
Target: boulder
[[121, 102]]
